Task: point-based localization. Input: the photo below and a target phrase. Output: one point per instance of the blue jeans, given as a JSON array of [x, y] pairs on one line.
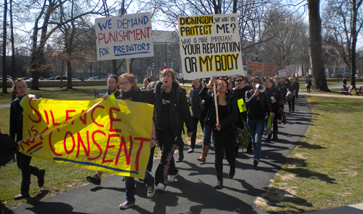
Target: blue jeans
[[130, 186], [256, 130]]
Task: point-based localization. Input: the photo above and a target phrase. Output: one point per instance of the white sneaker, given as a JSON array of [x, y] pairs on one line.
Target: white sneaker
[[172, 178], [160, 187]]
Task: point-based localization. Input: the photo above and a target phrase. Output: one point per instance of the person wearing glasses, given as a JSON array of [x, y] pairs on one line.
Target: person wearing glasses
[[130, 92], [258, 107], [223, 131], [239, 92], [112, 86]]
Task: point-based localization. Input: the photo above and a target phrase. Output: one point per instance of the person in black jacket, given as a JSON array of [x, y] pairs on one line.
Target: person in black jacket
[[258, 107], [130, 92], [172, 111], [239, 93], [16, 132], [112, 85], [291, 94], [275, 99], [223, 132], [196, 109]]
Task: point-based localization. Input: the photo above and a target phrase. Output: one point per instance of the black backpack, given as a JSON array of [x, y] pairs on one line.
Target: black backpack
[[8, 148]]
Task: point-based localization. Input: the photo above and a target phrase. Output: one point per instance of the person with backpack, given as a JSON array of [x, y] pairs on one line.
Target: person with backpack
[[16, 132], [223, 131]]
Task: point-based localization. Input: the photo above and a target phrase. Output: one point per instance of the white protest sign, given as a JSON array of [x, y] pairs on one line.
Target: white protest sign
[[127, 36], [210, 45]]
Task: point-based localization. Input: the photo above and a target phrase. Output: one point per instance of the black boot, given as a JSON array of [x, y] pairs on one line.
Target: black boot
[[268, 139]]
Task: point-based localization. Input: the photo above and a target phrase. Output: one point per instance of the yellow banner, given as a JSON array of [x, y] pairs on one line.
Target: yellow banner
[[105, 135]]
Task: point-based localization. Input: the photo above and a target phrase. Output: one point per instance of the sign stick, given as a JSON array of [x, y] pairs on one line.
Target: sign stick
[[127, 66], [215, 101]]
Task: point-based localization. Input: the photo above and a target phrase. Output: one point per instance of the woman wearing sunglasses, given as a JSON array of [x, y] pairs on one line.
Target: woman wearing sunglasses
[[258, 107], [223, 131]]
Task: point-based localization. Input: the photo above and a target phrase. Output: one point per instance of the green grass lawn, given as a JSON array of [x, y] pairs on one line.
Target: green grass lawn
[[59, 177], [325, 168]]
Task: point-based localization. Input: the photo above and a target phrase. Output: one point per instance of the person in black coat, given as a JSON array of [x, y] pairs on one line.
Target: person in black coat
[[258, 108], [16, 132], [223, 132], [275, 99], [171, 111], [130, 92]]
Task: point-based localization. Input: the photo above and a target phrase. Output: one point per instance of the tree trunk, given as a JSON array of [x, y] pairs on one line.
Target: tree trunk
[[316, 53], [69, 75], [354, 44], [13, 70], [5, 88]]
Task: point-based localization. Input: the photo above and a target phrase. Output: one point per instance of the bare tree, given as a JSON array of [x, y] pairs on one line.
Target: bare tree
[[46, 23], [343, 21], [290, 39]]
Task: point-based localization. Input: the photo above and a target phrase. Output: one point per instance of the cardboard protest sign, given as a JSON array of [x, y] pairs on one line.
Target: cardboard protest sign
[[254, 69], [268, 69], [210, 45], [289, 70], [124, 37], [105, 135]]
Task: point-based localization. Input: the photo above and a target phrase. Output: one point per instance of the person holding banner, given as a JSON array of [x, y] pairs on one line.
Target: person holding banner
[[258, 109], [171, 110], [16, 132], [275, 100], [196, 102], [223, 131], [112, 86], [130, 92], [239, 93]]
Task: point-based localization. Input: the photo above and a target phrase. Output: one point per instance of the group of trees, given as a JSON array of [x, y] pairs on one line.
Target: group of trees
[[62, 29]]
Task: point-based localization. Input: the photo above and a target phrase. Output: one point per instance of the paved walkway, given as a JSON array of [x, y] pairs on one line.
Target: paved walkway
[[194, 191]]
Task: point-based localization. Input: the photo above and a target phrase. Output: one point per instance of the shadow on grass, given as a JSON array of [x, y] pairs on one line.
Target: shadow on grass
[[276, 197], [309, 146], [305, 173]]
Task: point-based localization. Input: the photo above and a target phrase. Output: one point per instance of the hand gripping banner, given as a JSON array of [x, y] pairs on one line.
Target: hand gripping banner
[[105, 135]]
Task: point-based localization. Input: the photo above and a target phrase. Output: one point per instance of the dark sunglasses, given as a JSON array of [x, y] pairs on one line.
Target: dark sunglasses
[[222, 84], [239, 80], [255, 81]]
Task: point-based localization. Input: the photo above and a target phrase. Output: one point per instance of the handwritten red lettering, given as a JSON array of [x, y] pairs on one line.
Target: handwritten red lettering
[[36, 112], [46, 117], [50, 143], [142, 140], [67, 115], [98, 146], [54, 123], [112, 119], [127, 154], [108, 147], [92, 112], [65, 142], [80, 141]]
